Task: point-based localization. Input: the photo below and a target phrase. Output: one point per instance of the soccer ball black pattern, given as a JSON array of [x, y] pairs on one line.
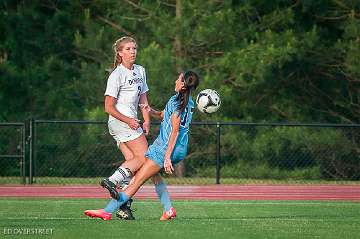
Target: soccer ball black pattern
[[208, 101]]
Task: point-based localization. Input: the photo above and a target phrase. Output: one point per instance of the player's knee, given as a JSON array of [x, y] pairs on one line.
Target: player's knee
[[128, 157], [140, 158]]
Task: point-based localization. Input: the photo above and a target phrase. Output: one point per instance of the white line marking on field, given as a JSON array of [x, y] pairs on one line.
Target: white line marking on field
[[302, 203], [186, 219], [47, 218]]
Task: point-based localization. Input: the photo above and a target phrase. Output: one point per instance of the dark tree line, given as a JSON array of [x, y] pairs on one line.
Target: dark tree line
[[270, 60]]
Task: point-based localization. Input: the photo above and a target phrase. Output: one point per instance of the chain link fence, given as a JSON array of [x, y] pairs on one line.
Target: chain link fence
[[81, 152], [12, 152], [290, 151]]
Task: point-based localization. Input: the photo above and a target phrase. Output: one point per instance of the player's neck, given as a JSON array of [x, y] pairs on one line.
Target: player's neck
[[128, 65]]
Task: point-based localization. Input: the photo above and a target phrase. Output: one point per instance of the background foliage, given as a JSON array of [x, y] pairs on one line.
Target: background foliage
[[270, 60]]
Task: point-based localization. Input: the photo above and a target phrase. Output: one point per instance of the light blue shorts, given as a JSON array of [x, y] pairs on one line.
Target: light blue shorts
[[157, 154]]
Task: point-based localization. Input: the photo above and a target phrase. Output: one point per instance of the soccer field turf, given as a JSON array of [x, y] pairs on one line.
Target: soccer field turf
[[196, 219]]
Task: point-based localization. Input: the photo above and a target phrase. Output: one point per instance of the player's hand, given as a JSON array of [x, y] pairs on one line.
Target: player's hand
[[169, 169], [146, 127], [133, 123]]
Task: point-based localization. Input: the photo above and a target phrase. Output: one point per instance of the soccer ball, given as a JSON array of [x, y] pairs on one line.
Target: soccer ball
[[208, 101]]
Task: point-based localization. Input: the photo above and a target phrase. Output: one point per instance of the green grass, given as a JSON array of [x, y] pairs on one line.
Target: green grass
[[175, 181], [196, 219]]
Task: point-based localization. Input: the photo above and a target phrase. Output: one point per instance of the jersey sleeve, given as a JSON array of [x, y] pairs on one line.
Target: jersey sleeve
[[113, 84], [173, 105], [145, 87]]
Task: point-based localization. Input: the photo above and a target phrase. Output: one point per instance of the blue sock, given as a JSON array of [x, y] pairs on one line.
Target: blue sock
[[163, 195], [113, 205]]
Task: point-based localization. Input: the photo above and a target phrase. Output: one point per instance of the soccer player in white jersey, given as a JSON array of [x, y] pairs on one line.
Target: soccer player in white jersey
[[126, 89], [169, 148]]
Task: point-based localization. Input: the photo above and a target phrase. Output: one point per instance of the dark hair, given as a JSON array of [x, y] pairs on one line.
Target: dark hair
[[191, 80]]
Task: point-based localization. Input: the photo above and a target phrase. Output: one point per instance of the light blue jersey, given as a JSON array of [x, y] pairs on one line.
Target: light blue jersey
[[156, 151]]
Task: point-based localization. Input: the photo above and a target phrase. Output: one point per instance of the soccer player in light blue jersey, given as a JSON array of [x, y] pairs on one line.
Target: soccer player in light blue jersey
[[169, 148]]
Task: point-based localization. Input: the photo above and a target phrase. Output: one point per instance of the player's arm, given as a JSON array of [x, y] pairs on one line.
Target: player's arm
[[146, 114], [111, 110], [175, 122], [154, 113], [157, 114]]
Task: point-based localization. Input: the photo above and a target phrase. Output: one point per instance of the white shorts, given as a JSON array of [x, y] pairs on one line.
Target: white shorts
[[121, 132]]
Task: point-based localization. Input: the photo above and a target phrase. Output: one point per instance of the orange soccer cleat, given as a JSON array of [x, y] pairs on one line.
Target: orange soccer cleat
[[168, 215], [98, 213]]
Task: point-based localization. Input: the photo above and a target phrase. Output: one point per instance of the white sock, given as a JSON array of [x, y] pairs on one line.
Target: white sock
[[127, 181], [120, 175]]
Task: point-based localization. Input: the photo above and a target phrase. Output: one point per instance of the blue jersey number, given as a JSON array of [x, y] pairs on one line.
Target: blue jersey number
[[185, 119]]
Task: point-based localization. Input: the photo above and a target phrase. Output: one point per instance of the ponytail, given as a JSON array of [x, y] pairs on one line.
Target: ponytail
[[191, 80]]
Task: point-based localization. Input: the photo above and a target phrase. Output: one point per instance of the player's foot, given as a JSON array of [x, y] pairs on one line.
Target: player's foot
[[111, 187], [98, 213], [125, 211], [168, 215]]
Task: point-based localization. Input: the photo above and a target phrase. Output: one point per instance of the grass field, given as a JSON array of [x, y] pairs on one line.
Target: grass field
[[196, 219]]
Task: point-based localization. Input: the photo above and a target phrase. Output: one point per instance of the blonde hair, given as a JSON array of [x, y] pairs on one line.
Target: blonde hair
[[118, 46]]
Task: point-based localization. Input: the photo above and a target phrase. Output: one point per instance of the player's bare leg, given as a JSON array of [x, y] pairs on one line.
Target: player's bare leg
[[149, 169], [125, 211], [133, 152], [137, 148]]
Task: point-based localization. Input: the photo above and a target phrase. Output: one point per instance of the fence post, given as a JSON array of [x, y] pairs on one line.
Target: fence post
[[23, 154], [217, 153], [31, 149]]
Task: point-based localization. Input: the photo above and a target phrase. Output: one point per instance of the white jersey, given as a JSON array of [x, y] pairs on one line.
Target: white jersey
[[126, 86]]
